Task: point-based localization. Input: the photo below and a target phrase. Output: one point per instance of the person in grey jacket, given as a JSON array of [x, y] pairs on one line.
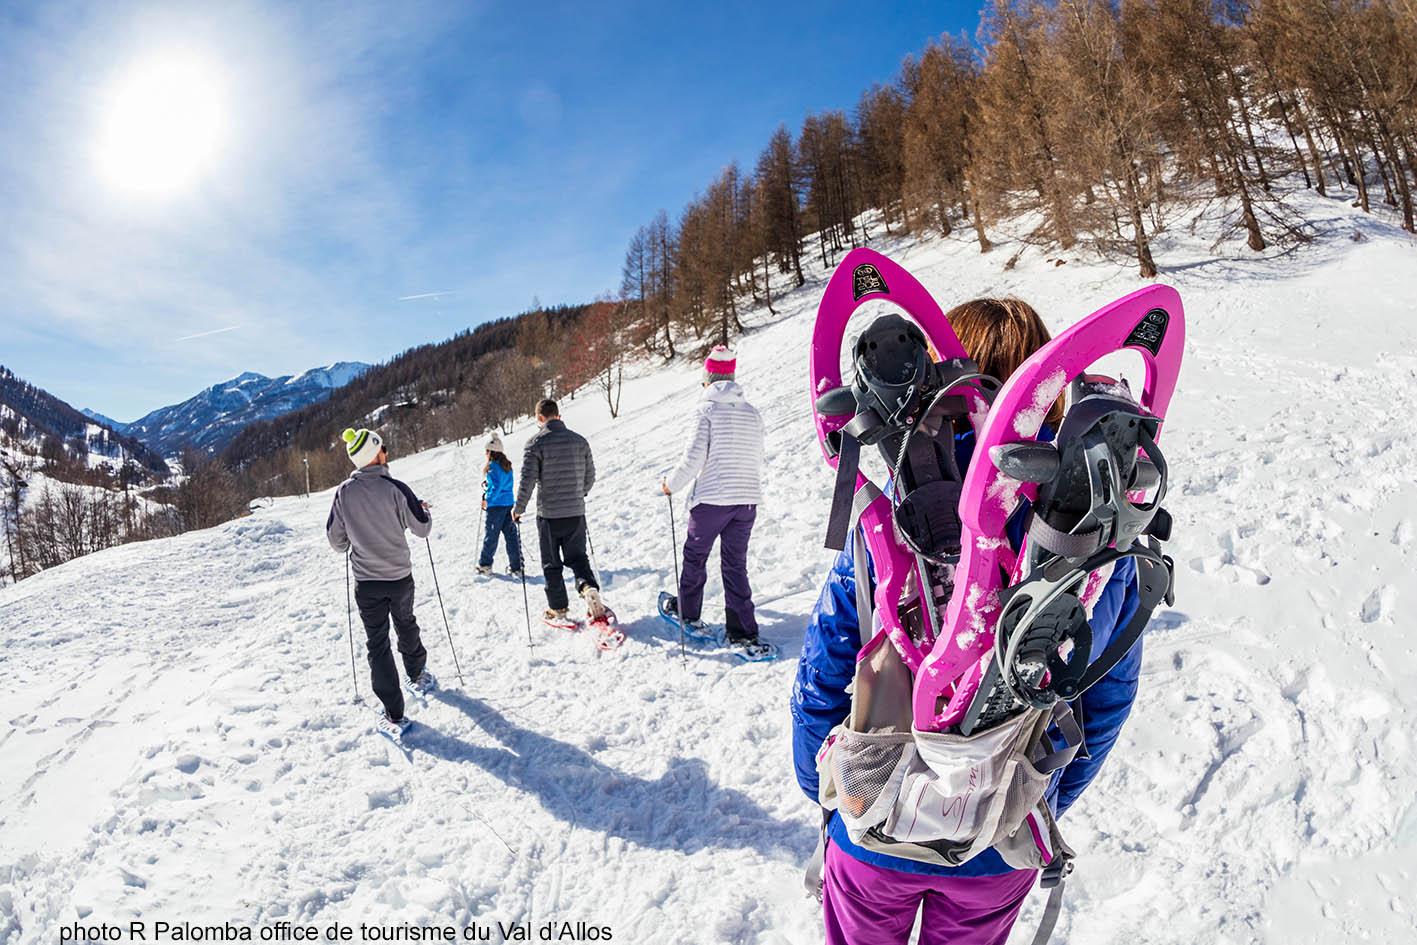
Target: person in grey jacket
[[723, 463], [370, 513], [557, 464]]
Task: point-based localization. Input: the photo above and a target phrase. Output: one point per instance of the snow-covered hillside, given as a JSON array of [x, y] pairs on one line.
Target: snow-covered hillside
[[179, 739]]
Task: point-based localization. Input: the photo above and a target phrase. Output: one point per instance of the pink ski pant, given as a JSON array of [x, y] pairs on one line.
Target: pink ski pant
[[871, 905]]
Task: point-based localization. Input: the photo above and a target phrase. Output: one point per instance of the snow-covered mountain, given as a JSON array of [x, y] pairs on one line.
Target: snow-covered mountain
[[34, 421], [180, 742], [209, 420], [100, 418]]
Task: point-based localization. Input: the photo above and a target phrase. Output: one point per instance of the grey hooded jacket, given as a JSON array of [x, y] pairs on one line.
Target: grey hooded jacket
[[560, 462], [369, 515]]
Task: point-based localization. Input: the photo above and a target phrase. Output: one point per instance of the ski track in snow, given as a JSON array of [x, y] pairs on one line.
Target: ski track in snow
[[180, 741]]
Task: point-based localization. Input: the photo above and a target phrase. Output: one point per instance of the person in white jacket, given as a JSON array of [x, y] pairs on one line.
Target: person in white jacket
[[723, 468]]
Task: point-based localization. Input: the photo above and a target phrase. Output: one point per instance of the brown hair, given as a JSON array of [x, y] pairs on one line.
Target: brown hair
[[500, 458], [547, 408], [1000, 334]]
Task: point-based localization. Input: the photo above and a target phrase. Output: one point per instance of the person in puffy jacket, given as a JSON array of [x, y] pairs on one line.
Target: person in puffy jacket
[[497, 501], [559, 468], [368, 517], [871, 898], [722, 467]]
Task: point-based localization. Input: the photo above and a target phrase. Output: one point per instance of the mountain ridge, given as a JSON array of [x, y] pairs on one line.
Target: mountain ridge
[[212, 417]]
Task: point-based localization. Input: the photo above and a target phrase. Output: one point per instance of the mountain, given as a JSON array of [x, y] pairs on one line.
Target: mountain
[[106, 421], [35, 421], [212, 418]]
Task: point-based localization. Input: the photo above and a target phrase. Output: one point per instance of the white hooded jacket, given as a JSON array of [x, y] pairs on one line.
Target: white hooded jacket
[[724, 459]]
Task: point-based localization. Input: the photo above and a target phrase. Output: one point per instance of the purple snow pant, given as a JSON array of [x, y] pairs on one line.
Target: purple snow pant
[[731, 525], [871, 905]]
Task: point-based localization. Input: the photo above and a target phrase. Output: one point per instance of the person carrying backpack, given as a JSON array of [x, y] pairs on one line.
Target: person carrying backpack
[[497, 501], [559, 468], [870, 897], [723, 464], [370, 513]]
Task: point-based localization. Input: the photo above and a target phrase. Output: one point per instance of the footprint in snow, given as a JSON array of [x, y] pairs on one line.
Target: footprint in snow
[[1378, 604]]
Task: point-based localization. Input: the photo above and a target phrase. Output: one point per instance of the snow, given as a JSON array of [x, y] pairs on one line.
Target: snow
[[179, 739]]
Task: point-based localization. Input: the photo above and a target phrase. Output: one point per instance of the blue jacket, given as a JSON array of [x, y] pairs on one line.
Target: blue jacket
[[497, 489], [828, 663]]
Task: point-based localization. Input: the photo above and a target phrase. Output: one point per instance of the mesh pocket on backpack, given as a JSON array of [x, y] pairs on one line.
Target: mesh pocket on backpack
[[866, 770]]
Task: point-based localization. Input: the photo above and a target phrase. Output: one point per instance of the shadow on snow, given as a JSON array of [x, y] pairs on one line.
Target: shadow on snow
[[683, 809]]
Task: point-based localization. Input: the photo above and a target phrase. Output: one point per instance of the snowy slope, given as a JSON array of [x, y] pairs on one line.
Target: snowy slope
[[179, 739]]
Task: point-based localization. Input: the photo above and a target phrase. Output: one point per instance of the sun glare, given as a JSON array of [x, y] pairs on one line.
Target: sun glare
[[163, 127]]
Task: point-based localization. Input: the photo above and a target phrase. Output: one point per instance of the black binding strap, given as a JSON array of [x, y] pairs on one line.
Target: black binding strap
[[848, 461], [1154, 576]]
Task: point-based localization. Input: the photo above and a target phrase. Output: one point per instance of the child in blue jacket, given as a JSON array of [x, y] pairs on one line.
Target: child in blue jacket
[[498, 498], [869, 897]]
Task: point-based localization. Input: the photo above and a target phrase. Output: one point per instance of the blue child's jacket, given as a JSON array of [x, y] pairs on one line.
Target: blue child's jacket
[[828, 663], [498, 487]]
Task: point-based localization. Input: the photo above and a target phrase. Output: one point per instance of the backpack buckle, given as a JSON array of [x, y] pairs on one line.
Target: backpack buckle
[[1054, 872]]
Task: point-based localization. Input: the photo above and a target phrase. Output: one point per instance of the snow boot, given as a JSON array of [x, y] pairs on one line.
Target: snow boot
[[696, 630], [602, 620], [424, 683], [751, 649], [392, 729], [484, 569], [560, 619]]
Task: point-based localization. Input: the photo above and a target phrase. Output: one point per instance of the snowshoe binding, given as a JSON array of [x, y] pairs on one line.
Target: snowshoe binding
[[695, 631], [392, 729], [560, 620], [423, 684], [602, 620], [751, 649]]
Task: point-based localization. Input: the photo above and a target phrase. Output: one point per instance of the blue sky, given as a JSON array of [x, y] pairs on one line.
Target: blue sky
[[329, 160]]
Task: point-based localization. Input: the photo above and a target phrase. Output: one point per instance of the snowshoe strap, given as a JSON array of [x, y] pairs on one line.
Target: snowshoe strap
[[848, 462], [1066, 544], [860, 570], [1155, 577]]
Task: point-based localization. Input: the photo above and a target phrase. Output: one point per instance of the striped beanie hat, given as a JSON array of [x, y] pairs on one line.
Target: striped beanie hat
[[362, 445], [720, 365]]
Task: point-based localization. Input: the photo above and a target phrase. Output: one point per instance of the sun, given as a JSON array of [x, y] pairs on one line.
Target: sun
[[163, 127]]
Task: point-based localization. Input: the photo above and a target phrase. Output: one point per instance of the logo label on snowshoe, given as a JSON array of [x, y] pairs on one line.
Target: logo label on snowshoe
[[865, 280], [1149, 331]]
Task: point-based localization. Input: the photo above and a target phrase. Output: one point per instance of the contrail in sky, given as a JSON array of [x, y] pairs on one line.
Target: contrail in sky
[[214, 331], [423, 295]]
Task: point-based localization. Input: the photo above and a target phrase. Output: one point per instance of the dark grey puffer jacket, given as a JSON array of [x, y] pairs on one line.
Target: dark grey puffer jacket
[[369, 515], [560, 463]]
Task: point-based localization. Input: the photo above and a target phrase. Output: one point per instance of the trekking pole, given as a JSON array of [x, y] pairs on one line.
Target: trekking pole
[[349, 613], [594, 564], [526, 603], [674, 553], [446, 626], [478, 535]]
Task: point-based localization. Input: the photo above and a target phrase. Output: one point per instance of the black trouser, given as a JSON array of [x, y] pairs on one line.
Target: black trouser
[[377, 601], [563, 545]]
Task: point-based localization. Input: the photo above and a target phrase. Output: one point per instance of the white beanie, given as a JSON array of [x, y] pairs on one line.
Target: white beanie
[[494, 444], [362, 445]]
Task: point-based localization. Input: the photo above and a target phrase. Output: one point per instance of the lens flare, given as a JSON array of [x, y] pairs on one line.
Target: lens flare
[[163, 127]]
